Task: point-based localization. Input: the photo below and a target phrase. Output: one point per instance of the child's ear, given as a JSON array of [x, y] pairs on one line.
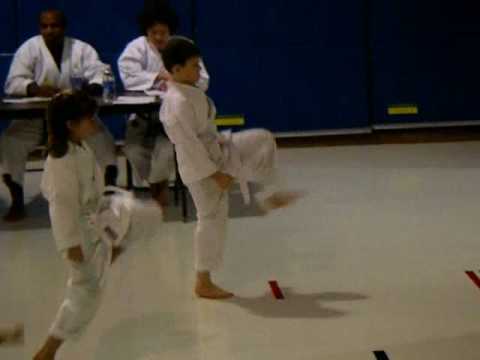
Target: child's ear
[[176, 69]]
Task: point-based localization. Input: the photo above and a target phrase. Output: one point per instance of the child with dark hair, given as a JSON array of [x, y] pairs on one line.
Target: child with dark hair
[[210, 162], [70, 184], [141, 69], [66, 113], [157, 12]]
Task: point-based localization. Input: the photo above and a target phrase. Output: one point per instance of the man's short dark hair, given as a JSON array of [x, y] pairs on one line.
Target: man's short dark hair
[[157, 12], [178, 51], [59, 13]]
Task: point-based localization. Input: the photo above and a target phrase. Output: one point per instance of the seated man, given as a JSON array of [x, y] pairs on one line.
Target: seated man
[[142, 69], [42, 67]]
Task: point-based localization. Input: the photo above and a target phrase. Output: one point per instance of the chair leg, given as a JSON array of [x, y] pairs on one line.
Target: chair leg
[[180, 191], [129, 175], [176, 190], [178, 180], [184, 203]]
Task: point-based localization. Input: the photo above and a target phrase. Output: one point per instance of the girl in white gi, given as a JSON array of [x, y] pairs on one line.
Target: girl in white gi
[[70, 184], [42, 67], [210, 162], [141, 69]]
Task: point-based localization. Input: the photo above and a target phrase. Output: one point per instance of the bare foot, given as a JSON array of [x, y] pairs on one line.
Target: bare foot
[[205, 288], [160, 193], [44, 355], [15, 214], [13, 336], [49, 349], [212, 292], [279, 200]]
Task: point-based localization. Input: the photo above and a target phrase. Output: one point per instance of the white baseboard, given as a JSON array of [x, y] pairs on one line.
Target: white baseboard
[[421, 125], [293, 134], [367, 130]]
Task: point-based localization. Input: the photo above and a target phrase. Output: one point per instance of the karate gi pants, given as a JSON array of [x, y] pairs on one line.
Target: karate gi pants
[[257, 151], [84, 292], [151, 155]]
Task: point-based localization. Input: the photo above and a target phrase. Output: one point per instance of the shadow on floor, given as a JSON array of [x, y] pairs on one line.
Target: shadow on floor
[[296, 305]]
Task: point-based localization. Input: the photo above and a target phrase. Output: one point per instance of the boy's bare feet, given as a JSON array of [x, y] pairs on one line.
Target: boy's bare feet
[[160, 193], [13, 336], [279, 200], [206, 289], [44, 355], [49, 349], [212, 292]]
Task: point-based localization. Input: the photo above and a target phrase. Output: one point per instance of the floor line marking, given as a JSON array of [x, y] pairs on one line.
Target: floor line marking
[[474, 277], [277, 292]]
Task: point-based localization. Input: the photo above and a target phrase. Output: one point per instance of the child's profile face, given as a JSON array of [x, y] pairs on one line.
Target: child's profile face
[[190, 72], [83, 128]]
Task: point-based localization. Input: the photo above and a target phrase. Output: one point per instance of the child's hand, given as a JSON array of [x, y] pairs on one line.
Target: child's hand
[[224, 181], [43, 91], [75, 254], [47, 91], [164, 75]]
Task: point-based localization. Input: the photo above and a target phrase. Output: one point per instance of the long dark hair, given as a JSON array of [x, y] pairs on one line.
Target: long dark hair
[[66, 107]]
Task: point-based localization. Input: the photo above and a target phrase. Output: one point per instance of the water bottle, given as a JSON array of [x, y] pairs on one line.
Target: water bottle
[[77, 80], [109, 86]]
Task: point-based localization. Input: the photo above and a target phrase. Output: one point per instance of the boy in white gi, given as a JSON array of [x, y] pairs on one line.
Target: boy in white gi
[[42, 67], [70, 184], [210, 162]]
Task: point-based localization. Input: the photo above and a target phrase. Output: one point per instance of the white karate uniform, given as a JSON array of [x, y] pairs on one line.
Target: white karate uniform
[[141, 63], [71, 186], [150, 154], [33, 62], [249, 156]]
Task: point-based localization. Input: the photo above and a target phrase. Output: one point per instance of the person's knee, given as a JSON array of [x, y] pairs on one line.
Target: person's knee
[[266, 142], [133, 150], [266, 137], [163, 147]]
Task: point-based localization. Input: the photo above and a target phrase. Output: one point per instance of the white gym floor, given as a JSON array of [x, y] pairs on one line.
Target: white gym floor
[[373, 259]]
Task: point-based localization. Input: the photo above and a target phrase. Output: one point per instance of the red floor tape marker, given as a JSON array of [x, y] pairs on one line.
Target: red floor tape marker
[[474, 277], [277, 292]]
